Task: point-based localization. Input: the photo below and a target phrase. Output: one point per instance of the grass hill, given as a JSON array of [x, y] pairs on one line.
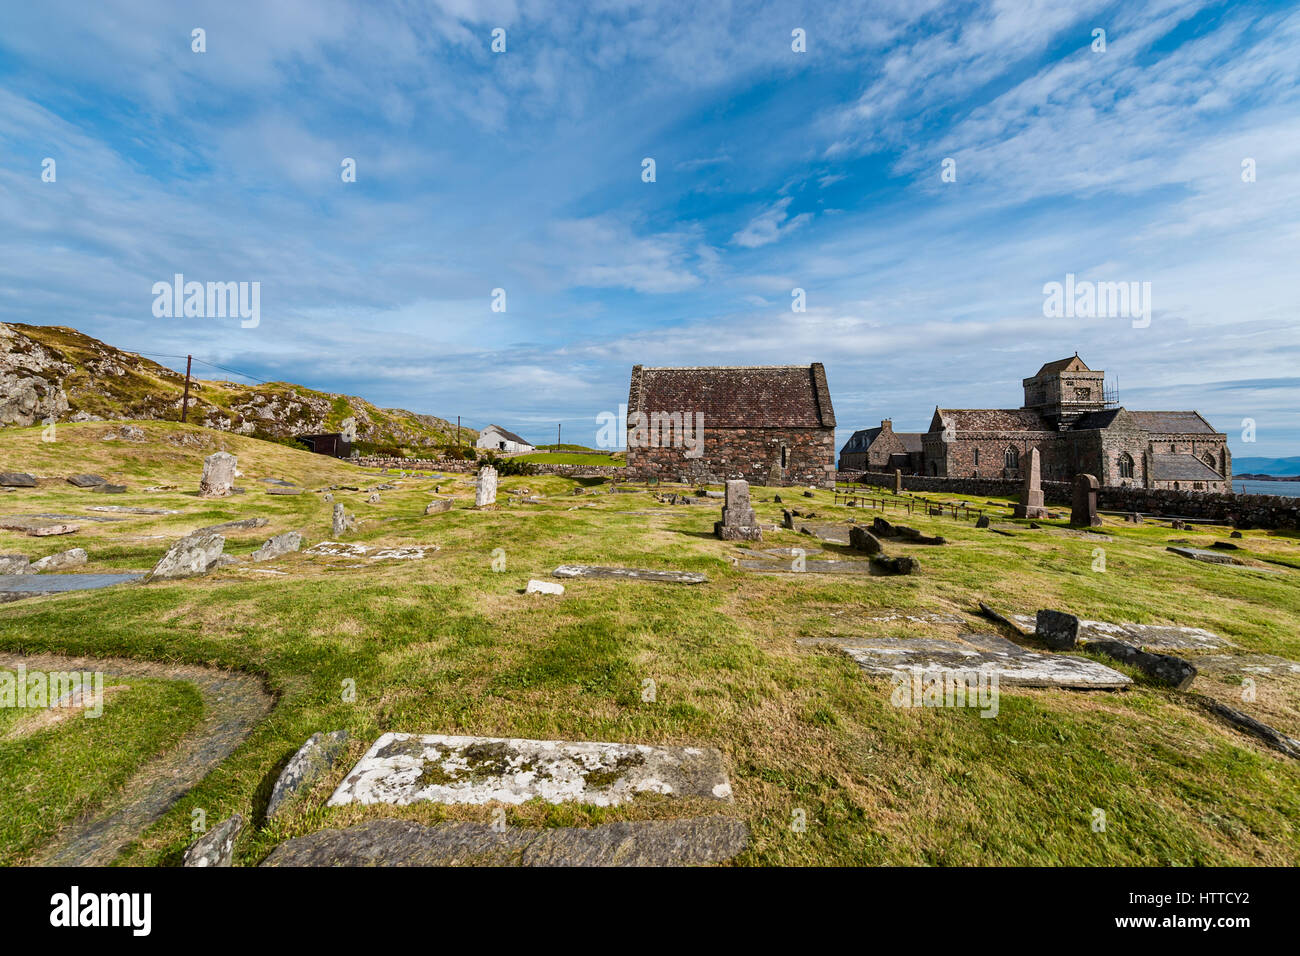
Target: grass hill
[[57, 372]]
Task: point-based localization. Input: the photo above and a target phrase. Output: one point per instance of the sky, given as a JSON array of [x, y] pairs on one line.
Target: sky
[[920, 170]]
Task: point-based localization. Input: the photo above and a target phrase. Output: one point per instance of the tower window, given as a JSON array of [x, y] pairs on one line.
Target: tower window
[[1126, 465]]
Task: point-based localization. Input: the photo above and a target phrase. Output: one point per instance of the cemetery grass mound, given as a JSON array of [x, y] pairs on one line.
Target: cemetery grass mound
[[445, 644]]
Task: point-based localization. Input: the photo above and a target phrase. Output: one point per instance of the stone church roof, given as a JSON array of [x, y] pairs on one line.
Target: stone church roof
[[989, 420], [1173, 423], [762, 396], [1074, 363], [1182, 468]]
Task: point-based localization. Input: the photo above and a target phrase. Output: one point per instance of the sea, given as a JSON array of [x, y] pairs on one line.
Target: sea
[[1248, 486]]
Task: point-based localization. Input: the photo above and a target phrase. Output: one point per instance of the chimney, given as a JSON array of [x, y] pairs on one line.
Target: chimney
[[887, 423]]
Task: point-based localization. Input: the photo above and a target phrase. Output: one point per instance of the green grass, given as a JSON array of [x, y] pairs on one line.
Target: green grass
[[571, 458], [447, 645], [49, 776]]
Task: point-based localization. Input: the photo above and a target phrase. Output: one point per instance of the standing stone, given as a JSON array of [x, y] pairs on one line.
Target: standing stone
[[738, 520], [860, 539], [1083, 510], [218, 475], [217, 846], [1031, 497], [277, 546], [485, 489], [197, 553], [340, 520], [313, 758], [1056, 629], [898, 481]]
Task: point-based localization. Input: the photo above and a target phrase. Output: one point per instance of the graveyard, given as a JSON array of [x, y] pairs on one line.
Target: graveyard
[[322, 662]]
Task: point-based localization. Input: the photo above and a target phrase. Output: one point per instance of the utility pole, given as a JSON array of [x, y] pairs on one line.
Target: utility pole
[[185, 401], [558, 426], [458, 431]]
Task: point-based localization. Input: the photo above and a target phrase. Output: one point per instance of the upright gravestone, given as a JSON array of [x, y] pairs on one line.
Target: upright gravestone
[[1083, 511], [898, 481], [485, 489], [738, 520], [340, 523], [218, 475], [1031, 498]]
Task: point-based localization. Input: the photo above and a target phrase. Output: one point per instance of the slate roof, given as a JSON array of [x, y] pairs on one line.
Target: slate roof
[[861, 440], [1173, 423], [911, 440], [1102, 419], [1182, 468], [990, 420], [1061, 364], [761, 396], [508, 436]]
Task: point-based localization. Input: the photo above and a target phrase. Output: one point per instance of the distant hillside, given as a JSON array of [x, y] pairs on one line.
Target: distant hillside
[[53, 371], [1266, 466]]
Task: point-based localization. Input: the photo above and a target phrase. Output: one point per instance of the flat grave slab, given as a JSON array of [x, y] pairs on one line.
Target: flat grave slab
[[689, 842], [1220, 665], [813, 566], [353, 549], [1201, 554], [128, 510], [401, 769], [985, 653], [1149, 637], [632, 574]]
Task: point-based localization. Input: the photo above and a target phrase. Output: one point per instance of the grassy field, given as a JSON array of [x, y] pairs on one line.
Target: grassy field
[[56, 764], [447, 645], [574, 458]]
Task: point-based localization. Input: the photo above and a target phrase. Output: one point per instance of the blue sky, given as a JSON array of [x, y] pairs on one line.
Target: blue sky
[[775, 170]]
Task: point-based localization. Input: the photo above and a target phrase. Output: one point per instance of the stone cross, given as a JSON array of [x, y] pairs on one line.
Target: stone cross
[[739, 522], [485, 489], [898, 481], [1031, 498], [218, 475], [1083, 511]]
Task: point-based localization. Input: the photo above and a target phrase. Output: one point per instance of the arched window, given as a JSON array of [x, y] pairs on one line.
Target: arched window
[[1208, 458], [1011, 458], [1126, 465]]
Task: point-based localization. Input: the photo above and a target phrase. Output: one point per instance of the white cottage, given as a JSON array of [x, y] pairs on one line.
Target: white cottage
[[497, 439]]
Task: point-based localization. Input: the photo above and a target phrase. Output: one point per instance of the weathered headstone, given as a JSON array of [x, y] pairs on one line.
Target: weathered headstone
[[438, 506], [194, 554], [1031, 497], [218, 475], [1083, 510], [61, 561], [277, 546], [340, 522], [485, 488], [1058, 630], [543, 587], [860, 539], [1165, 668], [313, 758], [738, 520], [85, 481], [217, 846], [982, 521], [17, 480]]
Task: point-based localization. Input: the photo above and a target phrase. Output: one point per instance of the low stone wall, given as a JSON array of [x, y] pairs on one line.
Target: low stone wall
[[457, 466], [1243, 511]]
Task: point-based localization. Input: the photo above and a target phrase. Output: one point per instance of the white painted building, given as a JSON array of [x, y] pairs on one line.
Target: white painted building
[[496, 438]]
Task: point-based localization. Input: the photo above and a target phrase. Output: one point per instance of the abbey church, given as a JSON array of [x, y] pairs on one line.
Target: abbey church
[[1076, 426]]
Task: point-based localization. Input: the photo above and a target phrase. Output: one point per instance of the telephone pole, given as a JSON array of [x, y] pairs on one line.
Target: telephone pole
[[185, 401], [558, 426], [458, 431]]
